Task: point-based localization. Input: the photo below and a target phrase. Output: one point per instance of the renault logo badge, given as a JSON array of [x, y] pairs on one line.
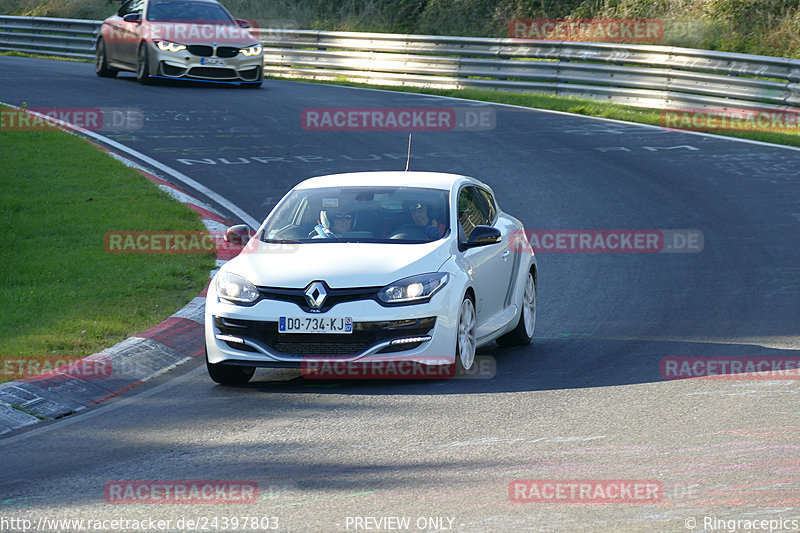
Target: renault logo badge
[[316, 294]]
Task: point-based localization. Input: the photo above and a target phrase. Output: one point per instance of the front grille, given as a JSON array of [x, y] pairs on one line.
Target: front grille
[[170, 70], [335, 296], [227, 51], [213, 73], [200, 50], [316, 349], [250, 74], [364, 336]]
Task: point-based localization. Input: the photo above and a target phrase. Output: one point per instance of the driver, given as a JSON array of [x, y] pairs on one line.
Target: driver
[[419, 214], [342, 222], [333, 223]]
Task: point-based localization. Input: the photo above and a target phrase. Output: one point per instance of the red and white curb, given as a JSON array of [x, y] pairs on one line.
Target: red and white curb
[[132, 362]]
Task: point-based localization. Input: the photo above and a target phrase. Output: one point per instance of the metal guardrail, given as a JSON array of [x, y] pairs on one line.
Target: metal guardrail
[[638, 75], [49, 36]]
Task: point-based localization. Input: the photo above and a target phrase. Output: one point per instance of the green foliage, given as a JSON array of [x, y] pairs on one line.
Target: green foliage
[[766, 27]]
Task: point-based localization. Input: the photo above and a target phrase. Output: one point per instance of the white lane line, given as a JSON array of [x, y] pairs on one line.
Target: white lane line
[[61, 423], [221, 200]]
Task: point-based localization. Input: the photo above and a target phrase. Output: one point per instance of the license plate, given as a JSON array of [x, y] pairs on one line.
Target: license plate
[[213, 61], [288, 324]]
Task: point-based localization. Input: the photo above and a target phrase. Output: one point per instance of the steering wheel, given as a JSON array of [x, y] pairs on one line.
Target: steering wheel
[[413, 232], [321, 232]]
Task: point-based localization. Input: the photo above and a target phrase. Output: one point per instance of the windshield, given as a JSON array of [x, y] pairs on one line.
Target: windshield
[[189, 12], [360, 214]]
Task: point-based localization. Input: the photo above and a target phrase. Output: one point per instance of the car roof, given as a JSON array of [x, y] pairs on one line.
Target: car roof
[[427, 180]]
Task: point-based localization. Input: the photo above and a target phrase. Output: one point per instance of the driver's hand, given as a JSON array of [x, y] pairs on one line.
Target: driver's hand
[[432, 231]]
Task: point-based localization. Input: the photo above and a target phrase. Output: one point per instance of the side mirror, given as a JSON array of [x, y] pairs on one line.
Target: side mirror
[[133, 17], [483, 235], [243, 23], [238, 234]]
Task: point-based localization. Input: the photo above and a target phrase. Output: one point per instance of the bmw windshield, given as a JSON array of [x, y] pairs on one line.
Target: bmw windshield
[[360, 214], [194, 12]]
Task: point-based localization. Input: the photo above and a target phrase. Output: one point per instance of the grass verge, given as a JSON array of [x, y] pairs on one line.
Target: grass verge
[[61, 293], [581, 106], [44, 56]]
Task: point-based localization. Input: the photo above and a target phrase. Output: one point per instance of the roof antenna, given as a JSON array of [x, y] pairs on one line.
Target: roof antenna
[[408, 160]]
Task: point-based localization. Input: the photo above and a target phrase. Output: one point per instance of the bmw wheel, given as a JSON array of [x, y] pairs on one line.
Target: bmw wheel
[[143, 66], [101, 61]]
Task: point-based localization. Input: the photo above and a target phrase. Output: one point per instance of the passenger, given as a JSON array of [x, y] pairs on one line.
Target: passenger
[[432, 228]]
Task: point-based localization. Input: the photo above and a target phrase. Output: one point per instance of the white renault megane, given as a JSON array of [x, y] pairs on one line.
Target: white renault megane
[[372, 267]]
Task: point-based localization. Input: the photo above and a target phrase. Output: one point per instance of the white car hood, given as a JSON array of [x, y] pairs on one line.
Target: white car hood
[[340, 265]]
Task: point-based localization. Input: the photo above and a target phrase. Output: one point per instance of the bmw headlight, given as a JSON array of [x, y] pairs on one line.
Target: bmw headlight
[[413, 289], [252, 50], [167, 46], [236, 289]]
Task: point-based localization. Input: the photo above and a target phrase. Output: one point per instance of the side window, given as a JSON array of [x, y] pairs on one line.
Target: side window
[[131, 7], [471, 211], [488, 201], [137, 6], [125, 8]]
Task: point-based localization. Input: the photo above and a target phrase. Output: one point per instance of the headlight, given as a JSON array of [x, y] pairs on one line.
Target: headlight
[[252, 50], [413, 289], [167, 46], [236, 289]]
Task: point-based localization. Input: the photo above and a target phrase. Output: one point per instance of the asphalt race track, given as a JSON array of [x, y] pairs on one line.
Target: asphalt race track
[[586, 401]]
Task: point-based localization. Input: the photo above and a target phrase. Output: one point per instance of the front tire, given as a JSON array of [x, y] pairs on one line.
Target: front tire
[[523, 333], [143, 66], [229, 374], [101, 61], [465, 341]]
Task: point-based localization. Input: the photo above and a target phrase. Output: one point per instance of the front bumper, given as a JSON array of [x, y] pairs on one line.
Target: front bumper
[[207, 63], [423, 333]]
